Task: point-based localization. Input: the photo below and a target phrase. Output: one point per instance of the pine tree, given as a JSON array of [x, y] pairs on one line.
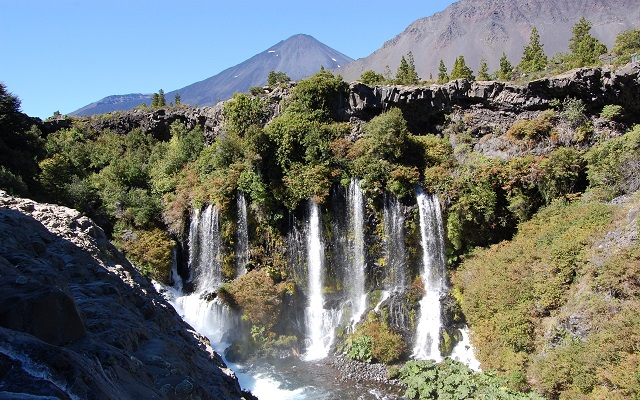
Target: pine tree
[[483, 72], [443, 77], [406, 74], [161, 100], [506, 69], [155, 100], [585, 49], [533, 57], [461, 70], [176, 99]]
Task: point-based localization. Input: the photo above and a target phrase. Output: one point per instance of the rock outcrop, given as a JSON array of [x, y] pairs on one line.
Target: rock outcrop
[[77, 321], [495, 105]]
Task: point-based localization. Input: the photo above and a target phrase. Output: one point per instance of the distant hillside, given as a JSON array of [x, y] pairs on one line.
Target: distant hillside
[[481, 28], [299, 56]]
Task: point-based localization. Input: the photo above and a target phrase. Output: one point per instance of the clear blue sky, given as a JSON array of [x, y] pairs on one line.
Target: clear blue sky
[[60, 55]]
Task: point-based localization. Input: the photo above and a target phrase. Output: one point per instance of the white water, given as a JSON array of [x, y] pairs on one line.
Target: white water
[[395, 253], [320, 323], [463, 351], [357, 270], [204, 250], [242, 233], [427, 338]]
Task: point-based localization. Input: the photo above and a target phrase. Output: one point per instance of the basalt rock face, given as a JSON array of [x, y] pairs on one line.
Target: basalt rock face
[[78, 321], [494, 106], [424, 107]]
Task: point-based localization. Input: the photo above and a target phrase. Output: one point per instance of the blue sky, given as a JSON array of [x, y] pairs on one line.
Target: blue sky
[[60, 55]]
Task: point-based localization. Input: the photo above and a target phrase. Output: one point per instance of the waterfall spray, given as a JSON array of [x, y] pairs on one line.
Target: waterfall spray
[[356, 277], [242, 234], [320, 322], [433, 269]]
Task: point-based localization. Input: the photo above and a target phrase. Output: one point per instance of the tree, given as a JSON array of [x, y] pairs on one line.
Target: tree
[[406, 74], [585, 49], [626, 44], [506, 69], [443, 77], [161, 100], [176, 99], [483, 72], [533, 57], [460, 70], [370, 77], [275, 78]]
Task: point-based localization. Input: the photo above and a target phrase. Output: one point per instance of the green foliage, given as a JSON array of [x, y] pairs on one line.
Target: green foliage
[[276, 78], [443, 77], [533, 57], [483, 72], [158, 99], [585, 48], [386, 135], [151, 252], [374, 340], [460, 70], [452, 380], [359, 348], [320, 95], [406, 74], [612, 166], [627, 43], [370, 77], [21, 145], [532, 129], [509, 287], [573, 112], [257, 296], [611, 112], [561, 173], [506, 69], [242, 112]]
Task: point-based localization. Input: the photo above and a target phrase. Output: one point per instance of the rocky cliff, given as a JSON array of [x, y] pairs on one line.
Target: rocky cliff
[[495, 105], [77, 321]]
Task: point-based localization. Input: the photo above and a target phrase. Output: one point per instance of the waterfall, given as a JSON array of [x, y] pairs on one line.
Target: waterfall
[[320, 323], [396, 276], [433, 271], [463, 351], [204, 250], [242, 234], [355, 279], [394, 247]]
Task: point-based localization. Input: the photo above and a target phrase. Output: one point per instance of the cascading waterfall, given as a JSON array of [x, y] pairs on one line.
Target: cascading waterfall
[[394, 247], [427, 338], [242, 233], [320, 323], [395, 253], [204, 250], [356, 276]]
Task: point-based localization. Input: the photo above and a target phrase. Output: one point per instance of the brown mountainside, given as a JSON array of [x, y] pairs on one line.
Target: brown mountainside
[[479, 28]]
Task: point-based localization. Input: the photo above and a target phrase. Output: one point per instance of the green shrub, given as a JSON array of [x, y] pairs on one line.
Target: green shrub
[[611, 112], [385, 345], [151, 252], [532, 129], [359, 348]]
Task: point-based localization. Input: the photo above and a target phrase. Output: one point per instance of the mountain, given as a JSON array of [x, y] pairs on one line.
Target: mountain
[[481, 28], [298, 56], [113, 103]]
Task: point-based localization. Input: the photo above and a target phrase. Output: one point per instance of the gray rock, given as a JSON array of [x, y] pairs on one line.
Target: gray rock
[[78, 321]]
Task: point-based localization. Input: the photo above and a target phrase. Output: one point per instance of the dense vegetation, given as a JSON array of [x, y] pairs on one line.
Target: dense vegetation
[[551, 299]]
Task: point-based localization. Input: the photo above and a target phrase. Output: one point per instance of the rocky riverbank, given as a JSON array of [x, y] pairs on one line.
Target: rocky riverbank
[[77, 321]]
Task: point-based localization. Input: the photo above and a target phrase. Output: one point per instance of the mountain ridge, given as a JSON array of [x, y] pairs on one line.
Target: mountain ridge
[[476, 29], [298, 56]]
